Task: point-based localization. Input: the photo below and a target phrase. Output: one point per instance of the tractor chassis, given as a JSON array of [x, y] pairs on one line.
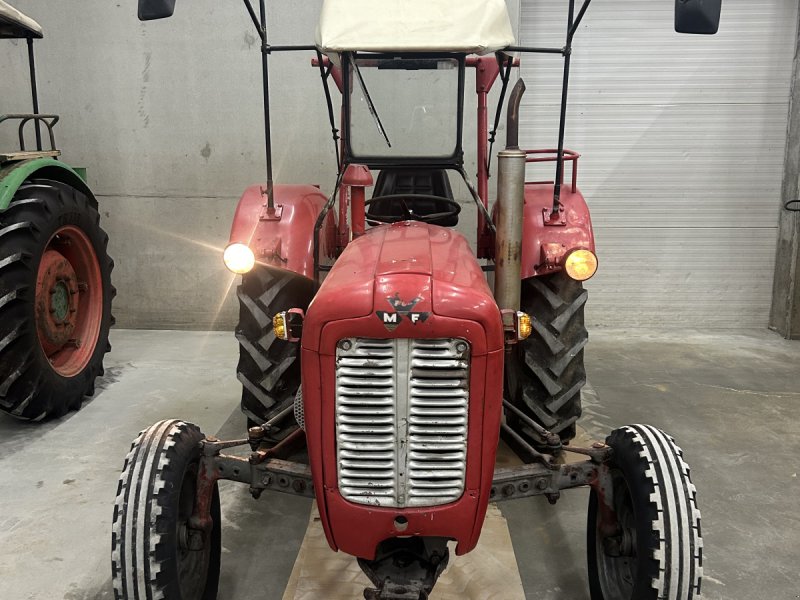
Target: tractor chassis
[[423, 560]]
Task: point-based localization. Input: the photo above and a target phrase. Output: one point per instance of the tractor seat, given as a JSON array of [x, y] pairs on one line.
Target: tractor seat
[[430, 182]]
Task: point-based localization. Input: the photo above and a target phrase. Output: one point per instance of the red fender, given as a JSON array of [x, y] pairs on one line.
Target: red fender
[[545, 243], [284, 236]]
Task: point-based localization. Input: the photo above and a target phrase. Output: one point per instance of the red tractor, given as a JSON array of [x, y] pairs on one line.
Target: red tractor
[[379, 368]]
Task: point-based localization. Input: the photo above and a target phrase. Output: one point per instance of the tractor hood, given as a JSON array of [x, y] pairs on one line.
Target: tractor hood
[[462, 26], [407, 277], [409, 288]]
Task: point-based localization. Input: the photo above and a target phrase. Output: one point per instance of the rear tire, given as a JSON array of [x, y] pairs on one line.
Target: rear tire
[[269, 368], [150, 557], [657, 551], [545, 373], [55, 300]]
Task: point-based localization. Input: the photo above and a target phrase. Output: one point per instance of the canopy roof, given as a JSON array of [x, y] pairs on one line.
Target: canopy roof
[[468, 26], [13, 24]]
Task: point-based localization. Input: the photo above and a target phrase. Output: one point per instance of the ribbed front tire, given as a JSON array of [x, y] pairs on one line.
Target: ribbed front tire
[[154, 552], [656, 553]]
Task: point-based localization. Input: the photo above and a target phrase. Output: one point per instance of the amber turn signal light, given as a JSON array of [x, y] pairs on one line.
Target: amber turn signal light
[[580, 265], [279, 326], [524, 326], [288, 325]]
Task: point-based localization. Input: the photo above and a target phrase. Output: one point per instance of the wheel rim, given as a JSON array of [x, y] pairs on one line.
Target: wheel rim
[[194, 546], [617, 574], [69, 301]]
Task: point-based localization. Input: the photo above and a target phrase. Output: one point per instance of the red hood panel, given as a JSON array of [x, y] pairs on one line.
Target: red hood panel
[[409, 264]]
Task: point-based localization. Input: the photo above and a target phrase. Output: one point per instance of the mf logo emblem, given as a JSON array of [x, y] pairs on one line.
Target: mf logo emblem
[[391, 319]]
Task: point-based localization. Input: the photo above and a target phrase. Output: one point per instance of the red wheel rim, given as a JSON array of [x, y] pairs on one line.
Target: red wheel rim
[[69, 301]]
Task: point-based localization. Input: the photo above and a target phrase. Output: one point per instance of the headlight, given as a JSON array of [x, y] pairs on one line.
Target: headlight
[[239, 258], [580, 265]]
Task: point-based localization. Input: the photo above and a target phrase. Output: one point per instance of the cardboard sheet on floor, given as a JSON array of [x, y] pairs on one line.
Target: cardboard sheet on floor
[[487, 573]]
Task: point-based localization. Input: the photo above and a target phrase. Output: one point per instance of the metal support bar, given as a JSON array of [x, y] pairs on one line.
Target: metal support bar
[[579, 18], [545, 437], [254, 18], [325, 74], [267, 128], [505, 76], [533, 50], [318, 268], [273, 474], [35, 95], [534, 456], [523, 481], [271, 49], [474, 193], [563, 118]]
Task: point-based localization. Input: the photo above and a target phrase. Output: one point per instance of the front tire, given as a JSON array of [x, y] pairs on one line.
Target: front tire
[[55, 300], [154, 552], [656, 550], [545, 373], [269, 368]]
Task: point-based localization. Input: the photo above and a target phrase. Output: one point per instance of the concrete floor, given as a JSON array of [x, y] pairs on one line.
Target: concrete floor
[[731, 401]]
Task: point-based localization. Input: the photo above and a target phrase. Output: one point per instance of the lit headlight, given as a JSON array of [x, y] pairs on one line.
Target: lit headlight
[[239, 258], [581, 264]]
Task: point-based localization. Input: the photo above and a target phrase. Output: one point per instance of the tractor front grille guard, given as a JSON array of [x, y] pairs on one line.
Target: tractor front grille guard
[[401, 420]]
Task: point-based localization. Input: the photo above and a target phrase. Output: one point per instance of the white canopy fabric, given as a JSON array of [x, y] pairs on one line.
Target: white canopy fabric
[[469, 26], [13, 24]]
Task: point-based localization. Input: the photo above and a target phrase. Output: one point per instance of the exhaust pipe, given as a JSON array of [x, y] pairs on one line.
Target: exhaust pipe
[[510, 202]]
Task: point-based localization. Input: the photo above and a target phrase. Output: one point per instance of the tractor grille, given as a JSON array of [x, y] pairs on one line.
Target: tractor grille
[[401, 420]]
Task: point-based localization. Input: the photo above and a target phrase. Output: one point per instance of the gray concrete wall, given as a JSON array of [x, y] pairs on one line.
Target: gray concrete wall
[[167, 117], [785, 313]]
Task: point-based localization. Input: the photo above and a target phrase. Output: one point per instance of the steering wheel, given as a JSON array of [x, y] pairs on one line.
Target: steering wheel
[[408, 213]]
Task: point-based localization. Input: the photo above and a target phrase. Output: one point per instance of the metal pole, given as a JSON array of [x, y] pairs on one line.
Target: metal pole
[[34, 93], [267, 130], [563, 123]]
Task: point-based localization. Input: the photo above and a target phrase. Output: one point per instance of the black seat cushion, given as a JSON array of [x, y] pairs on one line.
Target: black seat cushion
[[408, 182]]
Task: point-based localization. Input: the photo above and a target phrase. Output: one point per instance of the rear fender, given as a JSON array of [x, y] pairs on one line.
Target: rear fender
[[545, 246], [284, 237], [15, 174]]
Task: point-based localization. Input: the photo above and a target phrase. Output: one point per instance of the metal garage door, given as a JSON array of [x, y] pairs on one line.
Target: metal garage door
[[682, 140]]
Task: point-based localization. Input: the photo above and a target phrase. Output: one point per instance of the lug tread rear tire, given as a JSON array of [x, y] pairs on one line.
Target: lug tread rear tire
[[546, 374], [30, 389], [668, 519], [143, 539], [269, 368]]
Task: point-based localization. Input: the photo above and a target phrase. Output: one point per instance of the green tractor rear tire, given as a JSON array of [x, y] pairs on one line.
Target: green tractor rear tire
[[55, 300], [545, 373]]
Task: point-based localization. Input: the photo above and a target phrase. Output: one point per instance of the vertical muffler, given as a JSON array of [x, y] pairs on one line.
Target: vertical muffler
[[510, 203]]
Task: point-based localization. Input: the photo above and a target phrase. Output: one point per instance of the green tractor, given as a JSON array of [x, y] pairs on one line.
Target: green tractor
[[55, 272]]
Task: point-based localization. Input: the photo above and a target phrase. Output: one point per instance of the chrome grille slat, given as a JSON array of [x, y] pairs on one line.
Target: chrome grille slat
[[401, 420]]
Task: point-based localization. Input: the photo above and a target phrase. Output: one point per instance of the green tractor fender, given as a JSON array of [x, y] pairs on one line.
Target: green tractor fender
[[15, 174]]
